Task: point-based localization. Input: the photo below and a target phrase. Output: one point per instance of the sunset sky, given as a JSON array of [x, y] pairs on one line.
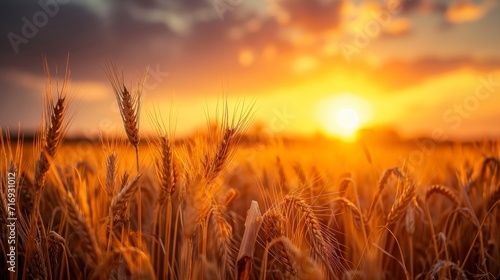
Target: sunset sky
[[414, 66]]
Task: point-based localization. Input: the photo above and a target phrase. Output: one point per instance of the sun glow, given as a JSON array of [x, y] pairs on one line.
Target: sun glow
[[348, 118], [343, 115]]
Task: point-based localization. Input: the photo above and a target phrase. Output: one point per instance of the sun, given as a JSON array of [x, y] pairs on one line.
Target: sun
[[343, 115], [348, 118]]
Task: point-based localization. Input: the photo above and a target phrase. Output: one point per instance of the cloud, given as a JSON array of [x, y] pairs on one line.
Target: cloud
[[187, 39], [84, 90], [246, 57], [304, 64], [398, 26], [311, 15], [402, 74], [467, 11], [102, 8], [178, 16], [411, 6]]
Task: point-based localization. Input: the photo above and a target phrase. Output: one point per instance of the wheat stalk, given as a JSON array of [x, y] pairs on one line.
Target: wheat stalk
[[56, 249], [307, 268], [442, 264], [82, 229], [300, 173], [231, 128], [439, 189], [357, 215], [52, 135], [26, 194], [272, 225], [399, 207], [3, 208], [230, 197], [494, 197], [52, 127], [410, 219], [37, 268], [281, 172], [410, 229], [384, 179], [166, 172], [222, 154], [120, 201], [223, 242], [129, 103], [110, 174], [166, 169], [321, 248], [491, 163], [344, 184]]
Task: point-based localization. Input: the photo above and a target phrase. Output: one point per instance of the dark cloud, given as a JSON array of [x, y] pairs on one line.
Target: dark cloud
[[147, 4], [19, 105], [314, 15], [411, 6], [205, 51], [89, 38]]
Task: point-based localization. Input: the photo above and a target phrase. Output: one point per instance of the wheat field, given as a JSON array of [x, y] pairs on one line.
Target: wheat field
[[228, 203]]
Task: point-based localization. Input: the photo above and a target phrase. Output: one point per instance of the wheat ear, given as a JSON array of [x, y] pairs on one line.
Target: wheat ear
[[272, 225], [356, 213], [56, 250], [120, 201], [224, 242], [52, 128], [494, 197], [491, 163], [439, 189], [37, 267], [52, 135], [307, 268], [82, 229], [111, 174], [344, 184], [399, 207], [231, 129], [165, 169], [128, 103], [321, 248], [221, 155], [395, 171]]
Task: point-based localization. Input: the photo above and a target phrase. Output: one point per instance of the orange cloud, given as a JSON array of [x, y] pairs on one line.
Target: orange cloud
[[398, 26], [304, 64], [246, 57], [467, 11], [313, 15]]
